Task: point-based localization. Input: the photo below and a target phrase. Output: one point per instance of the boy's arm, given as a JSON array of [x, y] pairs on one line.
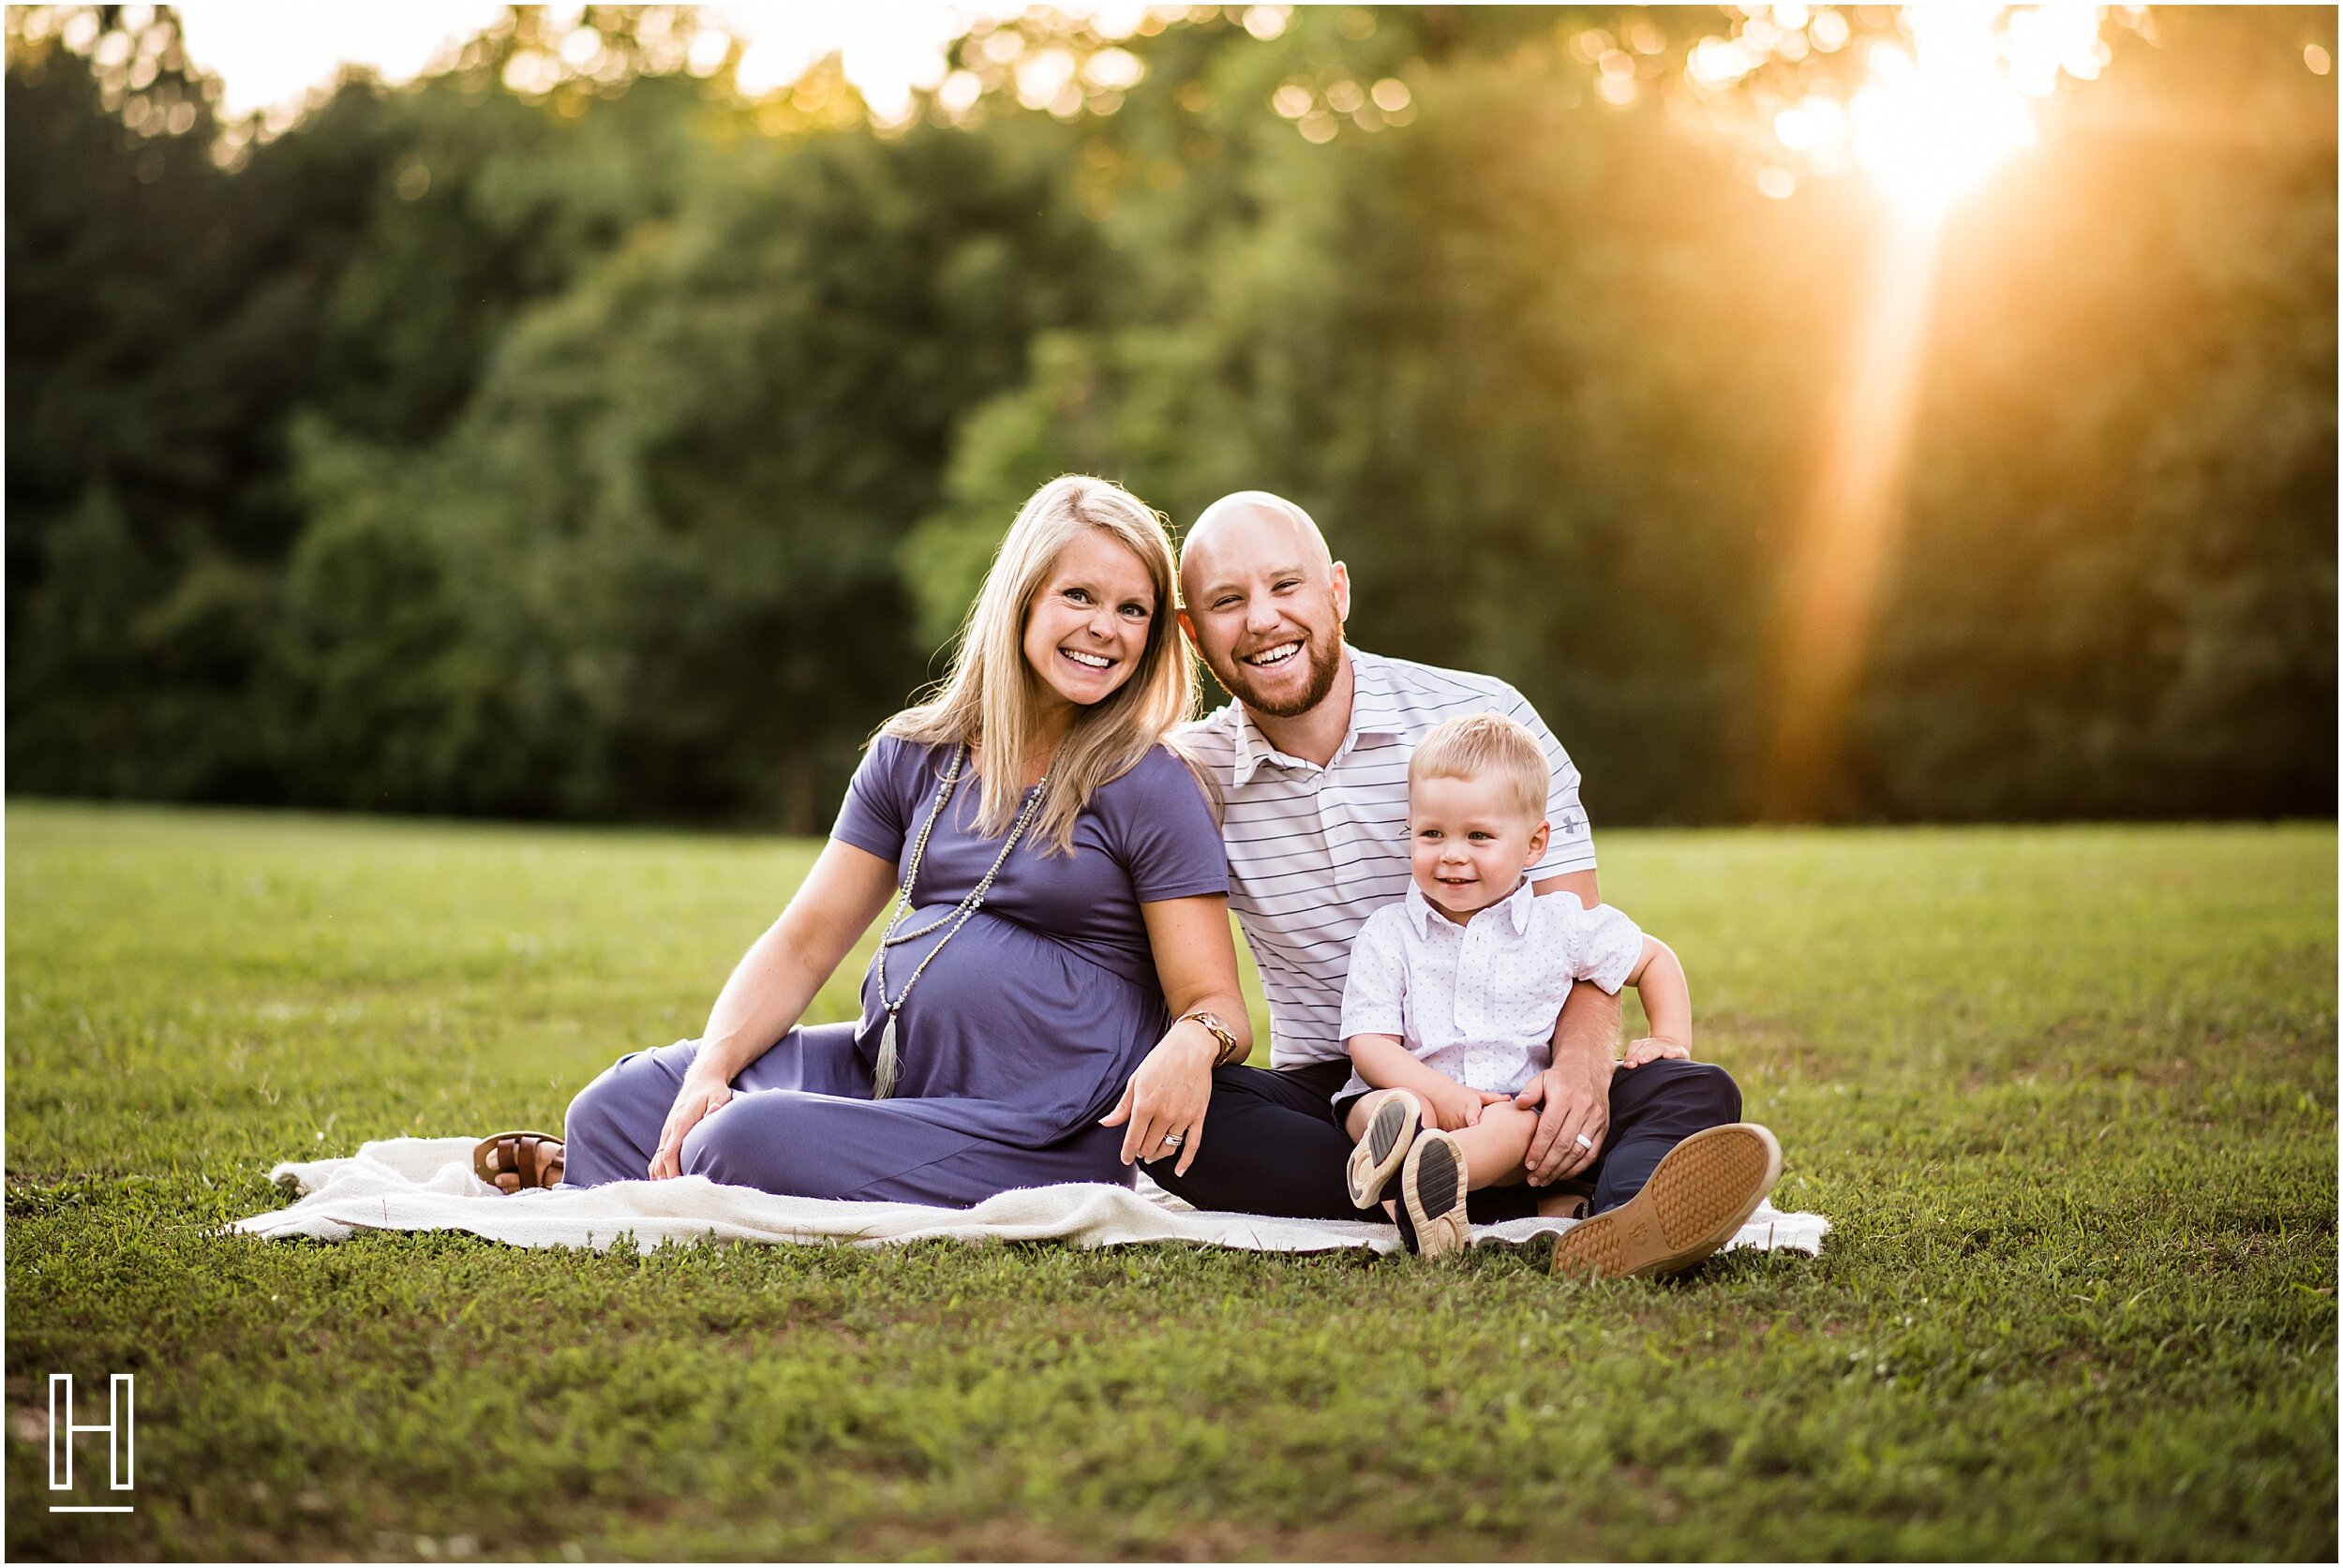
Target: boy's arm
[[1667, 1004], [1384, 1062], [1374, 1014]]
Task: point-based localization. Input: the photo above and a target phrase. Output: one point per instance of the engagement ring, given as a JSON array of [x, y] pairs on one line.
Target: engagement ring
[[1173, 1140]]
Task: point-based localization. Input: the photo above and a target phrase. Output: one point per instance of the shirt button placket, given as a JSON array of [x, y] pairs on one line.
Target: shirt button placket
[[1334, 820], [1468, 984], [1444, 938]]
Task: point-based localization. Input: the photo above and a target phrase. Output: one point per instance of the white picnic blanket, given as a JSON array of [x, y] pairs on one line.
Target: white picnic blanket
[[426, 1184]]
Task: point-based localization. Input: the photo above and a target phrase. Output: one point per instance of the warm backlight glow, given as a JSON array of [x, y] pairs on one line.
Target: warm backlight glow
[[1929, 134], [1842, 540], [1937, 119], [1928, 113], [1931, 114]]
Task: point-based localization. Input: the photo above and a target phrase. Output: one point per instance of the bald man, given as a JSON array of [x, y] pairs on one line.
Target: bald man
[[1311, 762]]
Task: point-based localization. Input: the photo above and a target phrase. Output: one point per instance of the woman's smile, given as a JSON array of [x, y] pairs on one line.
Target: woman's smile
[[1089, 620]]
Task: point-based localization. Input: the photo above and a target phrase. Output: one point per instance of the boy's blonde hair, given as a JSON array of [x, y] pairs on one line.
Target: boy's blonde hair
[[1486, 746]]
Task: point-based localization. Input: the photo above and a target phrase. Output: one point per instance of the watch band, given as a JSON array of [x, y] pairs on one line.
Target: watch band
[[1229, 1052]]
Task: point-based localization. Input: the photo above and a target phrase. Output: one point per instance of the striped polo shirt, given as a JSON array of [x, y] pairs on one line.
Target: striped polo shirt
[[1314, 851]]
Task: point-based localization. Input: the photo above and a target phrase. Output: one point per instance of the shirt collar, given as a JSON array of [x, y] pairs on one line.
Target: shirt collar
[[1513, 911], [1374, 710], [1374, 706], [1252, 748]]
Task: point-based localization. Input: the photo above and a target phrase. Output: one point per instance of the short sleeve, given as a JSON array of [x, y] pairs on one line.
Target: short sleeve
[[1609, 944], [1374, 998], [874, 815], [1571, 844], [1164, 830]]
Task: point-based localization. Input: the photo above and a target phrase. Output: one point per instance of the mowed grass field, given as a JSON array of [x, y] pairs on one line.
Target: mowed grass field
[[2068, 1096]]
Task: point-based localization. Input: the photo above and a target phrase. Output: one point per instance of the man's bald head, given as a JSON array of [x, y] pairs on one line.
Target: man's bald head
[[1257, 518], [1264, 601]]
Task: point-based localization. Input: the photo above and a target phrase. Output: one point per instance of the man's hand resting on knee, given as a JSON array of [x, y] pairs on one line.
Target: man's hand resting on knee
[[1573, 1097]]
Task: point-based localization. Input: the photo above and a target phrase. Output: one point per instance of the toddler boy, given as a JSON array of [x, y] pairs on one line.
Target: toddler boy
[[1453, 992]]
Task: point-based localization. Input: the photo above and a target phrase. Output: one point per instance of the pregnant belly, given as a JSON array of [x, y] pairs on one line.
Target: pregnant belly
[[1004, 1015]]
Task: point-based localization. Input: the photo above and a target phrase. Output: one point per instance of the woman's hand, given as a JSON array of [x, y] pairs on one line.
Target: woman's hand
[[1167, 1095], [1196, 963], [700, 1094], [774, 980]]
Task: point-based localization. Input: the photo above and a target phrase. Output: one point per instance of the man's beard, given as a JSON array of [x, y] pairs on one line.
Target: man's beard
[[1326, 658]]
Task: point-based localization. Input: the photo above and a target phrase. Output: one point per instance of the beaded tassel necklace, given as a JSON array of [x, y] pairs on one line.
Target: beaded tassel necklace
[[889, 1059]]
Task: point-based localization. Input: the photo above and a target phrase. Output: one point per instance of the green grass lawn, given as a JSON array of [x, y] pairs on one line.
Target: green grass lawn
[[2068, 1096]]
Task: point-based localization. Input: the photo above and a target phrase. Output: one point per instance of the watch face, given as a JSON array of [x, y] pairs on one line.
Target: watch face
[[1216, 1029]]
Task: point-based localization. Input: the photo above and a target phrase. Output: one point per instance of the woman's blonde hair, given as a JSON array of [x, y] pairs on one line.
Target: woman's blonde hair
[[988, 695]]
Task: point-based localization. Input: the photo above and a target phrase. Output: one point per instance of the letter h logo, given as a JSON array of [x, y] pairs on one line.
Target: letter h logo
[[117, 1427]]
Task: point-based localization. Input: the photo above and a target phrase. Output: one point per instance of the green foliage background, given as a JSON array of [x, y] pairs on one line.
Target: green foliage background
[[628, 449]]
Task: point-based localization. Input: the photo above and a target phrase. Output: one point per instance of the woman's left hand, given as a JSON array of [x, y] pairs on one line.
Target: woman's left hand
[[1164, 1102]]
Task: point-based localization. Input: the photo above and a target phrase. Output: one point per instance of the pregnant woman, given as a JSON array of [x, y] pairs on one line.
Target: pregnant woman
[[1057, 964]]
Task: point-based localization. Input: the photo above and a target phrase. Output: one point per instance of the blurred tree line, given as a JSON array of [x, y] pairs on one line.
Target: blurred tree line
[[570, 434]]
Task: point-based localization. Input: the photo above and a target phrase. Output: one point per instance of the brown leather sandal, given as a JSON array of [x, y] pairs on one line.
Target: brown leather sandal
[[513, 1161]]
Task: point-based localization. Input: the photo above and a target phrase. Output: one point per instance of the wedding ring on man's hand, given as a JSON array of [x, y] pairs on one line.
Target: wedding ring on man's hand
[[1585, 1141]]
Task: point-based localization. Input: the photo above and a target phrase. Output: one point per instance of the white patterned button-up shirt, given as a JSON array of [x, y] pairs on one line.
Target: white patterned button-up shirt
[[1478, 1001], [1313, 851]]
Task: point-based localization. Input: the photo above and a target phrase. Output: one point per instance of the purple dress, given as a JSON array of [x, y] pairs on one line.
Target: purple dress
[[1018, 1038]]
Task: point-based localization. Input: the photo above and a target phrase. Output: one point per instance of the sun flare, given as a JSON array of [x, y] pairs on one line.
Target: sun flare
[[1935, 119], [1926, 110], [1928, 116]]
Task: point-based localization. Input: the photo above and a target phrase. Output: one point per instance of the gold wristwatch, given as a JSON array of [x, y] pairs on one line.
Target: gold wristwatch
[[1230, 1052]]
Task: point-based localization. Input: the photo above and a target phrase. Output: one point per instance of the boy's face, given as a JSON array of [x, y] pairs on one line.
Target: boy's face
[[1468, 843]]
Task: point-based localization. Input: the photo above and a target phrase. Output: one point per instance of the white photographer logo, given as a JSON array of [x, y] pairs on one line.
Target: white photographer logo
[[120, 1416]]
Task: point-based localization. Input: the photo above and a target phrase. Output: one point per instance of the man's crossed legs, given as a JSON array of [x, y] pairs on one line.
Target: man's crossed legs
[[1272, 1145]]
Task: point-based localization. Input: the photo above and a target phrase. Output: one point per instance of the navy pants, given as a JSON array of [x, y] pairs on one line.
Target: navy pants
[[1272, 1145], [801, 1123]]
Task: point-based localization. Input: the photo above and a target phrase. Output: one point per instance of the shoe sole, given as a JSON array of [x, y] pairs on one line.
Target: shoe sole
[[1381, 1149], [1432, 1185], [1696, 1200]]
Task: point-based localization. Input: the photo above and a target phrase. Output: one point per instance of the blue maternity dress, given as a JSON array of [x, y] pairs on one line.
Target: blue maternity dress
[[1018, 1037]]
